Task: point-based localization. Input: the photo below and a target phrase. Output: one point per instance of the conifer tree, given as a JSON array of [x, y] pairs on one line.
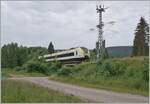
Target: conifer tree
[[141, 40], [51, 48]]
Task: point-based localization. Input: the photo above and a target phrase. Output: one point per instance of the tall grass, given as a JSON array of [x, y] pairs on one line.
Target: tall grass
[[10, 73], [23, 92], [123, 75]]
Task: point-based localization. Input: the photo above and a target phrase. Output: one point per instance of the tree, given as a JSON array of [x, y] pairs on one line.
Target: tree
[[4, 56], [141, 40], [51, 48], [22, 55], [14, 55], [9, 55]]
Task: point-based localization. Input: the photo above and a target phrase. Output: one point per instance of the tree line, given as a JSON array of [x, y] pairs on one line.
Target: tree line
[[14, 55]]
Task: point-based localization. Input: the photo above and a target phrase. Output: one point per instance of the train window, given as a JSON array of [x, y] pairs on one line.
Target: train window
[[65, 55], [62, 55]]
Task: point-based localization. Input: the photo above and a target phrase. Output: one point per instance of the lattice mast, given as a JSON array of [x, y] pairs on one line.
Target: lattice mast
[[100, 43]]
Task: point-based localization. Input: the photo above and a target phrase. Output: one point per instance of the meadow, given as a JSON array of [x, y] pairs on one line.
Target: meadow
[[8, 72], [18, 92]]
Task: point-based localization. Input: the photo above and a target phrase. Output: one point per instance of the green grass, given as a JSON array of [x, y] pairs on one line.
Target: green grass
[[128, 75], [111, 85], [23, 92], [11, 73]]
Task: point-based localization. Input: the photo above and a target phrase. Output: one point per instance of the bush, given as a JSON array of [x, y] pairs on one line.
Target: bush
[[106, 69], [130, 72], [109, 68], [35, 67], [53, 67], [18, 68], [65, 71], [41, 67], [138, 71], [118, 68]]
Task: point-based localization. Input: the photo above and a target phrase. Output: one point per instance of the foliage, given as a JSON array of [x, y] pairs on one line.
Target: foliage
[[141, 40], [65, 71], [124, 75], [109, 69], [35, 52], [24, 92], [51, 48], [40, 67], [34, 66], [14, 55], [54, 67], [10, 55]]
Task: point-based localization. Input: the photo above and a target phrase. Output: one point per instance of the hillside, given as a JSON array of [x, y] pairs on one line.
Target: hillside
[[119, 51], [117, 74]]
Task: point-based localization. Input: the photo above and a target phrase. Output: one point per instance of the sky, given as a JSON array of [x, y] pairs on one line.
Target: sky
[[70, 23]]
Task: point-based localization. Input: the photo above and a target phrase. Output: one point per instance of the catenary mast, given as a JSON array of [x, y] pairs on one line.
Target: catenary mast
[[100, 45]]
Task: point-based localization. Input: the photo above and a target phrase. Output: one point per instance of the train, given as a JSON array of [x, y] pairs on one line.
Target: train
[[70, 56]]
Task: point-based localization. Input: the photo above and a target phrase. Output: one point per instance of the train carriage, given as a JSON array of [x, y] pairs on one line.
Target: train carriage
[[71, 56]]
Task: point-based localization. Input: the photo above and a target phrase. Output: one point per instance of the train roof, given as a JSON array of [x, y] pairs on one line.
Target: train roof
[[65, 51]]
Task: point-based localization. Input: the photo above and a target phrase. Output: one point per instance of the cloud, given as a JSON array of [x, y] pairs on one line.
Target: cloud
[[67, 23]]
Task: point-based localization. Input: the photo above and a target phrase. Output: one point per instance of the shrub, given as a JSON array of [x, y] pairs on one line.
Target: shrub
[[18, 68], [53, 67], [65, 71], [118, 68], [129, 72], [35, 66], [106, 69], [58, 64], [110, 68], [41, 67], [138, 71]]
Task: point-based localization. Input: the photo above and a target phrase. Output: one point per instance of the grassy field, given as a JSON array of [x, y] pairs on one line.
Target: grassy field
[[23, 92], [122, 75], [11, 73]]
